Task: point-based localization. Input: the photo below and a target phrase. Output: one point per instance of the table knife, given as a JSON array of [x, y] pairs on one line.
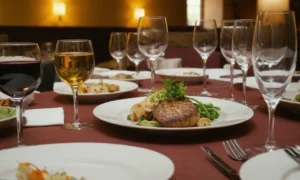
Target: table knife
[[224, 167]]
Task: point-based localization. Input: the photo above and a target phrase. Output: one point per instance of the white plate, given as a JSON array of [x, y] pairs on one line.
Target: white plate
[[115, 112], [7, 121], [217, 73], [276, 165], [64, 89], [292, 90], [143, 75], [100, 70], [177, 74], [251, 82], [93, 161]]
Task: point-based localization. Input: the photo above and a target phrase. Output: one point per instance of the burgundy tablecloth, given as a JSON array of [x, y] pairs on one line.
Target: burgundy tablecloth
[[183, 148]]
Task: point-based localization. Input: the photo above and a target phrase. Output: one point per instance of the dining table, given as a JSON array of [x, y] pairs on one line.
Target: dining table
[[182, 147]]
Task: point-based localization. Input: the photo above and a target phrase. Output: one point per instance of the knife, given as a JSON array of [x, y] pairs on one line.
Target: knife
[[223, 167]]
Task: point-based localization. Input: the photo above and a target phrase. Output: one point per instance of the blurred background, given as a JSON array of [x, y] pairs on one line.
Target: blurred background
[[46, 21]]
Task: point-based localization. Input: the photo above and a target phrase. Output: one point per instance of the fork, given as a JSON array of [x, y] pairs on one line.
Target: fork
[[234, 150], [294, 154]]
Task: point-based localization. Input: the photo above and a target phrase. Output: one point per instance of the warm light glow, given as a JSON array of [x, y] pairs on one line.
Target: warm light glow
[[59, 8], [272, 5], [139, 12]]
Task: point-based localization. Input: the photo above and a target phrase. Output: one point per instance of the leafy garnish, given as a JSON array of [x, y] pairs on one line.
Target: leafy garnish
[[174, 90]]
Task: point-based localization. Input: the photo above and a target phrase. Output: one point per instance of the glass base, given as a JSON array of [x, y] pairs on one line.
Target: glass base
[[207, 94], [77, 125], [229, 99], [259, 149], [21, 145], [253, 106], [144, 90]]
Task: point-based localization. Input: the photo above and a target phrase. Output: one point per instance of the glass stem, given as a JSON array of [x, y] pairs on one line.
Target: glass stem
[[75, 100], [19, 115], [137, 68], [231, 80], [120, 63], [270, 143], [152, 67], [204, 75], [244, 86]]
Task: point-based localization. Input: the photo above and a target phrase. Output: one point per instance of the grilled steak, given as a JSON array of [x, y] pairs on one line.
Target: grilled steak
[[176, 113]]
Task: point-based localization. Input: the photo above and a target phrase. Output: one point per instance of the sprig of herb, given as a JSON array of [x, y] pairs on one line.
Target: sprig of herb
[[174, 90]]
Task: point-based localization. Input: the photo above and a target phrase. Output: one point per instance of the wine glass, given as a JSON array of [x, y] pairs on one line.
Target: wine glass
[[274, 56], [242, 38], [132, 50], [152, 39], [226, 49], [74, 64], [205, 41], [20, 75], [117, 47]]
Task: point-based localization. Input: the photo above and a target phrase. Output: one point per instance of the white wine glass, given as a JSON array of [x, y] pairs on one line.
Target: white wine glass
[[152, 39], [242, 38], [20, 75], [205, 42], [226, 49], [274, 56], [74, 64], [117, 47], [132, 50]]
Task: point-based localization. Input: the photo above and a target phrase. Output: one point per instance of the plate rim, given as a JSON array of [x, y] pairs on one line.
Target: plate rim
[[235, 122], [132, 80], [168, 174]]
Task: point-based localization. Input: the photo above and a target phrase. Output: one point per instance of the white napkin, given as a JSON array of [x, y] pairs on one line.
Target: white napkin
[[166, 63], [44, 117]]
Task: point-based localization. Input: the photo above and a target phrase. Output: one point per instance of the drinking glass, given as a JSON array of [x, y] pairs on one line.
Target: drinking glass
[[132, 50], [226, 49], [74, 64], [117, 47], [205, 42], [152, 39], [20, 75], [242, 38], [274, 56]]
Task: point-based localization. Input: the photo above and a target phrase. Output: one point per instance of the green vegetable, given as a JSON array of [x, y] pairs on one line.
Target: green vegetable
[[7, 112], [207, 110], [148, 123], [297, 98], [129, 117]]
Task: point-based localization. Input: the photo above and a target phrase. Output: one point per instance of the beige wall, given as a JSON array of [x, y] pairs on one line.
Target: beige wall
[[213, 9], [117, 13], [275, 5]]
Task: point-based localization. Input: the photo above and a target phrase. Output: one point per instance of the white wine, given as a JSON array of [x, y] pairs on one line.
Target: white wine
[[74, 68]]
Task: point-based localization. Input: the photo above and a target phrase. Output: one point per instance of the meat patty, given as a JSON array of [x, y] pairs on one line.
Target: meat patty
[[176, 113]]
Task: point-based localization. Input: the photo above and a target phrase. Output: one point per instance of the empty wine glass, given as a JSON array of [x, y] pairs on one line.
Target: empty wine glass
[[74, 64], [205, 42], [20, 75], [226, 49], [152, 39], [274, 56], [117, 47], [132, 50], [242, 38]]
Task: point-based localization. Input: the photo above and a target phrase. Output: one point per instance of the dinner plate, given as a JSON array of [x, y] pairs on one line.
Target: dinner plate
[[100, 70], [251, 82], [64, 89], [137, 78], [276, 165], [115, 112], [92, 161], [178, 74]]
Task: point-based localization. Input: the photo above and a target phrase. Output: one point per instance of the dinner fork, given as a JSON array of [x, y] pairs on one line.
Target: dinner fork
[[234, 150], [293, 153]]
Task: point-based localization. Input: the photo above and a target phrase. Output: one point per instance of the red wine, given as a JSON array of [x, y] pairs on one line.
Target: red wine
[[19, 78]]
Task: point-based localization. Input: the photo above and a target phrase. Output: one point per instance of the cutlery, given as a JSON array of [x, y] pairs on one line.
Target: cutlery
[[223, 167], [294, 154], [234, 150]]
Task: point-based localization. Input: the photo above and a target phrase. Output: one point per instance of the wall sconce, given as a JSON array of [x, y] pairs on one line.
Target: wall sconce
[[139, 12], [59, 9]]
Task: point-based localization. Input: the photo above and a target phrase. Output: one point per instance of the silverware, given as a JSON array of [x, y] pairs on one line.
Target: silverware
[[293, 153], [224, 167], [234, 150]]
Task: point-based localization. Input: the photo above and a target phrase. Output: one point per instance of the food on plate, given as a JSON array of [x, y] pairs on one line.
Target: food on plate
[[98, 88], [7, 112], [169, 107], [28, 171], [191, 73], [4, 102], [297, 98], [122, 76]]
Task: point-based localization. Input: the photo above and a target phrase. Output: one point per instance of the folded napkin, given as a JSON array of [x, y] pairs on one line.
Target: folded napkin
[[44, 117]]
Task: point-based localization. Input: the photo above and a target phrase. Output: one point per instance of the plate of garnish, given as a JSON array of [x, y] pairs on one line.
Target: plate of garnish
[[169, 109], [97, 90], [7, 114], [124, 75], [187, 75], [84, 161]]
